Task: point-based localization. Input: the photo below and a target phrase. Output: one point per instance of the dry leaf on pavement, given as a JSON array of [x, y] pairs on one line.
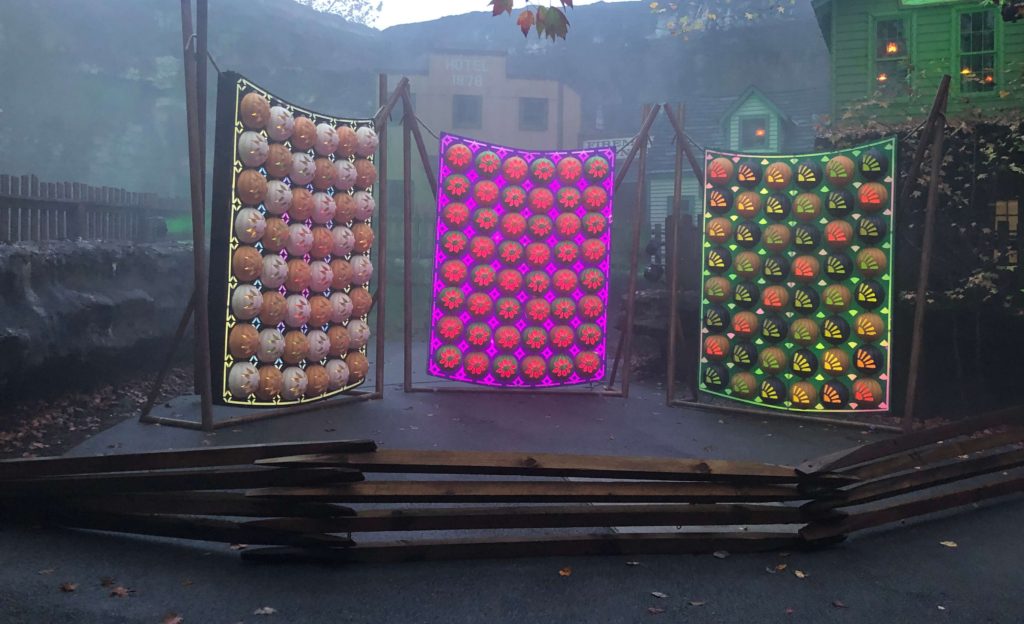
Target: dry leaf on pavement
[[47, 571], [566, 571], [721, 554], [800, 574], [172, 618], [68, 587], [265, 611], [655, 610], [949, 544], [107, 581], [121, 592], [839, 604], [632, 563], [659, 595], [698, 603]]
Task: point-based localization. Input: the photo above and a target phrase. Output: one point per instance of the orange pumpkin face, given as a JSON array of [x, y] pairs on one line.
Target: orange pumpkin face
[[716, 347], [720, 171], [254, 111], [804, 331], [867, 393], [777, 176], [871, 262], [775, 297], [806, 268], [358, 366], [748, 204], [719, 229], [243, 341], [872, 197], [838, 234]]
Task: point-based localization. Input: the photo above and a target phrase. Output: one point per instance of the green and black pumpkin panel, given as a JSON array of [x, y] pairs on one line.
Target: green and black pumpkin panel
[[716, 318], [744, 354], [749, 173], [748, 234], [715, 376], [718, 260], [808, 174], [873, 165]]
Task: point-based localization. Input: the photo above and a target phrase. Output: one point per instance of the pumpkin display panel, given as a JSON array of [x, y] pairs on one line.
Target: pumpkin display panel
[[521, 265], [809, 296], [290, 252]]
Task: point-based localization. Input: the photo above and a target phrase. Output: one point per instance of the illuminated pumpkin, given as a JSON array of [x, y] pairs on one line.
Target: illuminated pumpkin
[[776, 237], [838, 266], [718, 259], [596, 168], [835, 329], [803, 395], [746, 295], [834, 394], [716, 318], [806, 238], [835, 362], [720, 171], [871, 262], [872, 197], [254, 111], [569, 170], [715, 347], [747, 264], [748, 234], [868, 359], [717, 289], [744, 354], [807, 207], [457, 156], [773, 328], [773, 390], [715, 376], [745, 324], [777, 176], [870, 294], [871, 229], [777, 206], [869, 327], [515, 169], [873, 164], [534, 367], [476, 364], [806, 268], [772, 360], [838, 234], [775, 269], [808, 174], [775, 297], [542, 170], [487, 163], [719, 200], [839, 204], [748, 173], [867, 393], [803, 331], [587, 363], [719, 229], [836, 297], [748, 204], [743, 385], [840, 170], [805, 299], [804, 363]]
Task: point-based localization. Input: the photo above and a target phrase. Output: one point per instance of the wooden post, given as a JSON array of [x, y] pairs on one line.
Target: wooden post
[[407, 121], [938, 124], [382, 237], [672, 258], [202, 318]]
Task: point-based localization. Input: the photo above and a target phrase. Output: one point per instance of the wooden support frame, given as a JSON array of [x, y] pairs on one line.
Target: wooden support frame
[[623, 352], [932, 132], [194, 39]]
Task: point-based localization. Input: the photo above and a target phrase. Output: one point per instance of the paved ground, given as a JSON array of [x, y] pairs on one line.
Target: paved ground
[[902, 575]]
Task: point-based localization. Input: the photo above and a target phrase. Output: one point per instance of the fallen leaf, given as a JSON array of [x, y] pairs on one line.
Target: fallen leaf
[[47, 571], [655, 610], [186, 583], [789, 610], [942, 608], [632, 563], [721, 554], [659, 595], [265, 611], [839, 604], [68, 587], [800, 574], [172, 618], [949, 544], [239, 546], [107, 581], [698, 603], [121, 592], [567, 571]]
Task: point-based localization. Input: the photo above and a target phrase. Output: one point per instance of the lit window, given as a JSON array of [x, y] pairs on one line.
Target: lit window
[[753, 132], [1007, 212], [977, 51], [892, 57]]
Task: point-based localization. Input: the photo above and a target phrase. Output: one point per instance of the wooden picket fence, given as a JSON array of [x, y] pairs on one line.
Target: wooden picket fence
[[31, 210], [311, 501]]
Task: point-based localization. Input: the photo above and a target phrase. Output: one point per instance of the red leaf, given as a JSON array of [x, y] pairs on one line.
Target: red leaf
[[567, 3], [501, 6], [525, 21]]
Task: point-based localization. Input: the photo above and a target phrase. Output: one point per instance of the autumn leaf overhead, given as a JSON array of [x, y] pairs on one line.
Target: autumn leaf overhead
[[550, 22]]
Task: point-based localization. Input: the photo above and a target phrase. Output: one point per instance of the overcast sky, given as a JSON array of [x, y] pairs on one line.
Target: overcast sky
[[408, 11]]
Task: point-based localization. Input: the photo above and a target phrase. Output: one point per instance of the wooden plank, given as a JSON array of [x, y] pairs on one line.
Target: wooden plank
[[532, 492], [920, 507], [189, 458], [921, 479], [558, 516], [183, 527], [596, 544], [218, 478], [934, 454], [186, 503], [552, 465], [1013, 416]]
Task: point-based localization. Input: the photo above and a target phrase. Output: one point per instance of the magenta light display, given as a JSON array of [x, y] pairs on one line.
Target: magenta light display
[[520, 288]]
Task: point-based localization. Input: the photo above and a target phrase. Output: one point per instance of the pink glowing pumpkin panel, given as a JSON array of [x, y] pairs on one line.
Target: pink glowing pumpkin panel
[[520, 287]]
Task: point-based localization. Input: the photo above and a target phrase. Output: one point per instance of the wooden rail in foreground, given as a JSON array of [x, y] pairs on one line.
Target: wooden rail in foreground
[[292, 498]]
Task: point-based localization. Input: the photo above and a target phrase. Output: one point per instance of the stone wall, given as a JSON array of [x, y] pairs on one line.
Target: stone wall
[[73, 313]]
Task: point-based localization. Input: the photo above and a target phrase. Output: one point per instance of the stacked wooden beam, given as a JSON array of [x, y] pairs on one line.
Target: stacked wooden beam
[[920, 473], [306, 501], [296, 497]]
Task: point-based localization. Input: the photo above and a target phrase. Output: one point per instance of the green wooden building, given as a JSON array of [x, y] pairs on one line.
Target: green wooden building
[[888, 56]]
